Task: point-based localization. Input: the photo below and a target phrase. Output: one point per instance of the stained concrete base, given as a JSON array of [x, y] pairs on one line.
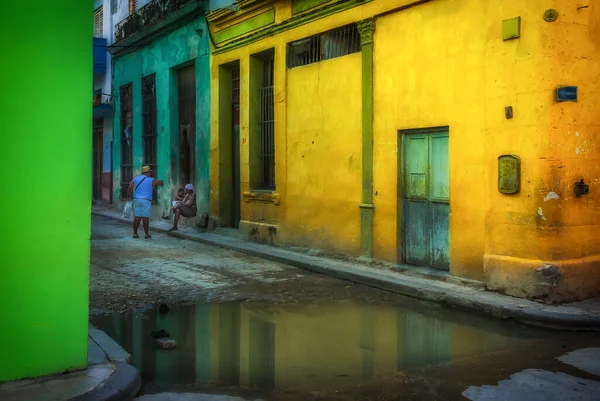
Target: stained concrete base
[[408, 281], [107, 377]]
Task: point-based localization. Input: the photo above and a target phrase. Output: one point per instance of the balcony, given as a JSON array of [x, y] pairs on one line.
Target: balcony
[[102, 105], [150, 14], [100, 55]]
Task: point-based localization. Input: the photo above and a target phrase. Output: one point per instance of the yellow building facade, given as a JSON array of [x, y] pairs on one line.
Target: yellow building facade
[[418, 132]]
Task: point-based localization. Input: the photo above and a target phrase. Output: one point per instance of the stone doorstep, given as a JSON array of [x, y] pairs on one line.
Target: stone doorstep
[[469, 296]]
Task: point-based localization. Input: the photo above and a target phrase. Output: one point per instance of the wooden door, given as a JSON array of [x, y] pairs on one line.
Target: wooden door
[[235, 147], [97, 156], [426, 199], [187, 124]]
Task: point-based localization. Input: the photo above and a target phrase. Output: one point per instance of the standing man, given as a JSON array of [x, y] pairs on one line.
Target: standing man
[[141, 189]]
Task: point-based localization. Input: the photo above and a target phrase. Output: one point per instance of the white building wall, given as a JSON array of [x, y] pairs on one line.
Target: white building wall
[[104, 82]]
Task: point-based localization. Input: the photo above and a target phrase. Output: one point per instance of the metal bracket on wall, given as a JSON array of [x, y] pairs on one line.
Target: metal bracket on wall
[[550, 15]]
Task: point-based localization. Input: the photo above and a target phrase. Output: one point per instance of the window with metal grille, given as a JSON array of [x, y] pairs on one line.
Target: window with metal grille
[[126, 138], [98, 23], [149, 130], [267, 129], [336, 43], [235, 86]]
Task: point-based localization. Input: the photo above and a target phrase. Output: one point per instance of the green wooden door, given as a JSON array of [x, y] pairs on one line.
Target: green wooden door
[[426, 200]]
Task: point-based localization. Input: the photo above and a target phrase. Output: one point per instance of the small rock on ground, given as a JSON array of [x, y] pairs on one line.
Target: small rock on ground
[[166, 343]]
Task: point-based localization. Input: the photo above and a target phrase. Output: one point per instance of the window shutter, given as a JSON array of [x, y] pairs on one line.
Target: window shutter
[[133, 6], [98, 23]]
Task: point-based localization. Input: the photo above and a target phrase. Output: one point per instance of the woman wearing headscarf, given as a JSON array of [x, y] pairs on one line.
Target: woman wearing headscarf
[[187, 207]]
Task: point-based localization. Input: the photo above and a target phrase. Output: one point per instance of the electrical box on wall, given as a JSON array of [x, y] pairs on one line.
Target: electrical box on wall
[[511, 28], [566, 94]]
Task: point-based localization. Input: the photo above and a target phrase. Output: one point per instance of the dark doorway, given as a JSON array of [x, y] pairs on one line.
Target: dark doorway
[[187, 124], [126, 138], [235, 146], [149, 127], [97, 159]]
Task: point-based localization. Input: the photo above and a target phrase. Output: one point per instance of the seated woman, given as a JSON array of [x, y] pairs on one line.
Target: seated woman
[[185, 208], [178, 200]]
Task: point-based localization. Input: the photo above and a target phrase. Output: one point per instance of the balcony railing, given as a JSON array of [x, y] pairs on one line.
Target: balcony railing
[[100, 99], [146, 16]]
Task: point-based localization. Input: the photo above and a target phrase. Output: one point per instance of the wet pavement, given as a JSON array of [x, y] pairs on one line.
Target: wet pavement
[[336, 350], [251, 329]]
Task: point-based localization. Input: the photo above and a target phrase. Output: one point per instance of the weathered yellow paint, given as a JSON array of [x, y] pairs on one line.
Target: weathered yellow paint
[[324, 155], [319, 206], [444, 63], [466, 84]]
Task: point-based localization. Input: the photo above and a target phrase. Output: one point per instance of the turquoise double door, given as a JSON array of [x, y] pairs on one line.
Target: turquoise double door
[[425, 199]]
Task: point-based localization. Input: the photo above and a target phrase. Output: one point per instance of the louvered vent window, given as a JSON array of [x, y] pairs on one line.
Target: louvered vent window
[[98, 23]]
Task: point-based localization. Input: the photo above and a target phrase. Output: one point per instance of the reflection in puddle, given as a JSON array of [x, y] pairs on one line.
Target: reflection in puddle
[[319, 346]]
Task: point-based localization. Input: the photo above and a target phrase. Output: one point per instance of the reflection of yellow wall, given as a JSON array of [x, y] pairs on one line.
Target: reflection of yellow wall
[[341, 344], [443, 63]]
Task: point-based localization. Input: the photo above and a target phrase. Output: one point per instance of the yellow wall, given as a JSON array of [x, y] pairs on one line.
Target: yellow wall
[[324, 155], [421, 59], [319, 193], [454, 69], [563, 148], [444, 63]]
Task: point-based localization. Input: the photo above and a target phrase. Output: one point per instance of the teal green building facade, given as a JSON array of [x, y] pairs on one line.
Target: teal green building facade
[[161, 86]]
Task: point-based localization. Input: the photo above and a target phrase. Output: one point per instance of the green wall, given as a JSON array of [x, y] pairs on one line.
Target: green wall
[[45, 171], [164, 56]]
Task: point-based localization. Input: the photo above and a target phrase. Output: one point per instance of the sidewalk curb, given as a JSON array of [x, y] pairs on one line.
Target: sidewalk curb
[[562, 317], [122, 385], [104, 378]]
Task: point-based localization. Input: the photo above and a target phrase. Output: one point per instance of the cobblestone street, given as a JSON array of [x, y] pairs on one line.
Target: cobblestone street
[[128, 273]]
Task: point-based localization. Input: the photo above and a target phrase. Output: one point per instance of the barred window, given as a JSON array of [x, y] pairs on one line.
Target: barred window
[[126, 99], [267, 128], [336, 43]]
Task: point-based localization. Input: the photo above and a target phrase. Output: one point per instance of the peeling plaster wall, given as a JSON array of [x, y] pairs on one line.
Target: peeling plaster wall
[[454, 69], [546, 224], [163, 56]]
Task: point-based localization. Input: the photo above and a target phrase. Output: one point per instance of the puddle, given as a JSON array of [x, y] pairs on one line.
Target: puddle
[[332, 345]]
